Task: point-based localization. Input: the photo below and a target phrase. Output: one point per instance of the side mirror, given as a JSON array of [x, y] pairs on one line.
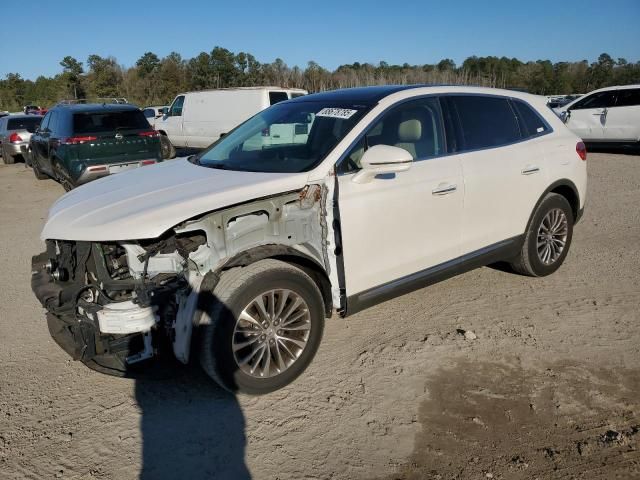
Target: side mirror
[[381, 159], [564, 115], [164, 110]]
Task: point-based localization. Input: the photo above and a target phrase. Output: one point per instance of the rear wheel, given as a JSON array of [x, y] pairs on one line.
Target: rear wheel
[[62, 178], [262, 327], [6, 158], [548, 238], [166, 147], [36, 169]]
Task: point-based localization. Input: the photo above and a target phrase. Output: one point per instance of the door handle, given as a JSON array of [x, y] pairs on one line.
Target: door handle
[[529, 169], [444, 189]]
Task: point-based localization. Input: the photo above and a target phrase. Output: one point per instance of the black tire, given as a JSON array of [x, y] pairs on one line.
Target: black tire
[[166, 147], [236, 290], [62, 178], [6, 158], [529, 261], [36, 169]]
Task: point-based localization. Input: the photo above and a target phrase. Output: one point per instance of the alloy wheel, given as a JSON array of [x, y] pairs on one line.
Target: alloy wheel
[[271, 333]]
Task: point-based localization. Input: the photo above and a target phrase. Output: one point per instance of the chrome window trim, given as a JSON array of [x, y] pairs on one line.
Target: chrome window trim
[[446, 140]]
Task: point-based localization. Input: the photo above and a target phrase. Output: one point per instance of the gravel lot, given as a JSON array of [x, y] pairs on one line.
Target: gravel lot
[[549, 389]]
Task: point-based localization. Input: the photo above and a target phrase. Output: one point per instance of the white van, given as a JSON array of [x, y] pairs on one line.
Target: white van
[[197, 119]]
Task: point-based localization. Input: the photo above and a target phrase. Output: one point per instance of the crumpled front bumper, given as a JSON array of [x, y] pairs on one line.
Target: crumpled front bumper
[[80, 338]]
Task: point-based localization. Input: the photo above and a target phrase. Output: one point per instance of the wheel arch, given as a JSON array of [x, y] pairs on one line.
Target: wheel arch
[[288, 255], [568, 190]]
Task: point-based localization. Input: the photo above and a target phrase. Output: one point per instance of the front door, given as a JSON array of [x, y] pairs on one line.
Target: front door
[[172, 123], [587, 117], [403, 223]]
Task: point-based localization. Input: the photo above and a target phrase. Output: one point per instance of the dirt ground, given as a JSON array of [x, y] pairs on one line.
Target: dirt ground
[[549, 389]]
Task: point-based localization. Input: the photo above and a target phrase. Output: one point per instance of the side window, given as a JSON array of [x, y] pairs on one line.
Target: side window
[[485, 121], [53, 123], [596, 100], [275, 97], [415, 126], [530, 121], [628, 98], [176, 106], [45, 121]]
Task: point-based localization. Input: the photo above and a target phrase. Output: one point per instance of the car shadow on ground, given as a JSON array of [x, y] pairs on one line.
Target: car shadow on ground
[[190, 428]]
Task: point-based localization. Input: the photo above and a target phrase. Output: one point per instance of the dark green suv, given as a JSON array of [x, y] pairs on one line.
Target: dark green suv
[[79, 143]]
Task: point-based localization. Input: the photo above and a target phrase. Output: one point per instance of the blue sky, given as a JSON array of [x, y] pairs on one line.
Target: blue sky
[[327, 31]]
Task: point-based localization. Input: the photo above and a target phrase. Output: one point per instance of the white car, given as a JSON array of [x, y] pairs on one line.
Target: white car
[[197, 119], [236, 256], [605, 116]]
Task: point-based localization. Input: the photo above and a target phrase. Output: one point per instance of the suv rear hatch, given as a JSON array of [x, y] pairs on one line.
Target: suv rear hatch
[[113, 136], [24, 127]]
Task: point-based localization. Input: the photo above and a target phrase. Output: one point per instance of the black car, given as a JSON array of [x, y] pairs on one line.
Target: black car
[[79, 143]]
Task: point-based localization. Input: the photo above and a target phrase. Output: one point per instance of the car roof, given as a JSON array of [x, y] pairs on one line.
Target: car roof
[[11, 117], [95, 107], [365, 95]]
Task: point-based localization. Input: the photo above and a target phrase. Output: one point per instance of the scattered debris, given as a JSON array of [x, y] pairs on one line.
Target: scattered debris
[[467, 334]]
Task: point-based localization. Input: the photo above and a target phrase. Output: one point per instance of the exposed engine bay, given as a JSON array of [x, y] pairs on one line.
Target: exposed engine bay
[[112, 305]]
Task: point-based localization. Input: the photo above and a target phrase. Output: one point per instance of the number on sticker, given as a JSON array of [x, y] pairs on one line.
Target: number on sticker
[[343, 113]]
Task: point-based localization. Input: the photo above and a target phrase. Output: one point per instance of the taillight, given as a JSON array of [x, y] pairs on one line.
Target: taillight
[[99, 168], [150, 133], [147, 162], [581, 150], [266, 132], [78, 140], [15, 138]]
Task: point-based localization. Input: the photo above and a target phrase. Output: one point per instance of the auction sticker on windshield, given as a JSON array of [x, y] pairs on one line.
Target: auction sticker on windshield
[[336, 113]]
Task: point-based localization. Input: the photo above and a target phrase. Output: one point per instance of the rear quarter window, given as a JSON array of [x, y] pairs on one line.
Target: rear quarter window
[[93, 122], [531, 123], [485, 121]]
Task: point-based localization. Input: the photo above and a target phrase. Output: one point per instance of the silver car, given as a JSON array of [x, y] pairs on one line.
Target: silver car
[[15, 132]]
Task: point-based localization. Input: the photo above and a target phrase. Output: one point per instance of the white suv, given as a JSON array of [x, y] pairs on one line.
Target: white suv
[[606, 116], [238, 254]]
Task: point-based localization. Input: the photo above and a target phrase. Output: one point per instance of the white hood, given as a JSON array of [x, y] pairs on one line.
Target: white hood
[[146, 202]]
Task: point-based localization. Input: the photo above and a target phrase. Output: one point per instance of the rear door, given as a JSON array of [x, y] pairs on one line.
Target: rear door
[[113, 136], [503, 175], [622, 120], [587, 117]]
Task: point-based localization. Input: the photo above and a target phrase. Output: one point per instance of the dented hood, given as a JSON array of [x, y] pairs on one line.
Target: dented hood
[[146, 202]]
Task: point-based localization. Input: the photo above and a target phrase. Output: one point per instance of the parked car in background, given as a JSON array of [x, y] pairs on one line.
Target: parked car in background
[[197, 119], [152, 113], [79, 143], [561, 100], [237, 255], [608, 116], [34, 110], [15, 132]]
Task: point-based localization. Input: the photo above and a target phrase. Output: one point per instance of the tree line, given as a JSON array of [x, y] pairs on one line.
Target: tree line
[[155, 81]]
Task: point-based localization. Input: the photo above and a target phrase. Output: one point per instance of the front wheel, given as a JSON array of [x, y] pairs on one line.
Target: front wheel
[[261, 327], [547, 239]]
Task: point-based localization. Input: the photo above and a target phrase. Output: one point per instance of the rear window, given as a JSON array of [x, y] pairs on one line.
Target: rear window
[[486, 121], [93, 122], [529, 119], [275, 97], [29, 124]]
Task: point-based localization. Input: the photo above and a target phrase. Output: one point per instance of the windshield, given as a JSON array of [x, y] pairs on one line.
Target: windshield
[[289, 137]]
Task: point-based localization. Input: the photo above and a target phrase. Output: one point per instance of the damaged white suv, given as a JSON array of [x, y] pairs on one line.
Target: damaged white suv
[[238, 254]]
